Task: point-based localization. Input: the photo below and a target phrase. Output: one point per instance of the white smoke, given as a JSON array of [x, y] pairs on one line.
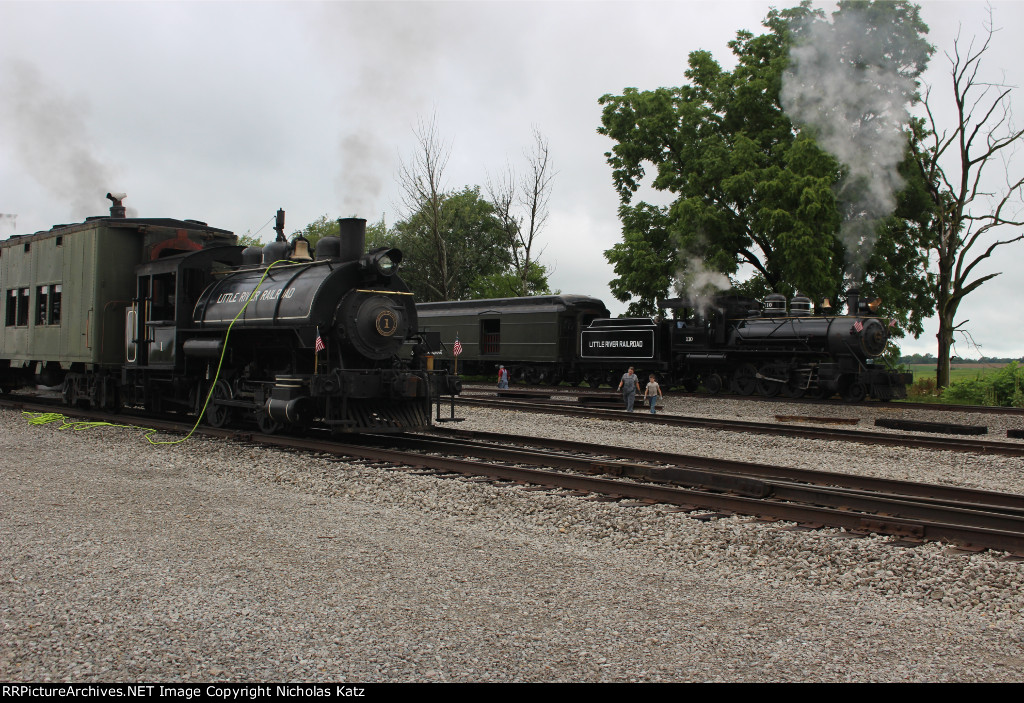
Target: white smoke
[[842, 83], [700, 285], [359, 182], [48, 133], [391, 55]]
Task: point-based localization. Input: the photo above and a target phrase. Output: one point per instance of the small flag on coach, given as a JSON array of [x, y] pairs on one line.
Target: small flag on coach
[[457, 347]]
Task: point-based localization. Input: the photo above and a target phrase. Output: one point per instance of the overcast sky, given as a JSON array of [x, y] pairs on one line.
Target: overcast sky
[[226, 111]]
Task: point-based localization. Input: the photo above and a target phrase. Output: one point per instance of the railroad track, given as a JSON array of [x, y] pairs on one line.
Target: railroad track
[[555, 391], [1004, 448], [968, 518]]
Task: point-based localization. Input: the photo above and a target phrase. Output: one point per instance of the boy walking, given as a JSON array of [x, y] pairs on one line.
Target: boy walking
[[652, 392]]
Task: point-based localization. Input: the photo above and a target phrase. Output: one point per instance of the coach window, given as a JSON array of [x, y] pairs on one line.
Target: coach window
[[55, 291], [22, 320], [42, 293], [12, 308]]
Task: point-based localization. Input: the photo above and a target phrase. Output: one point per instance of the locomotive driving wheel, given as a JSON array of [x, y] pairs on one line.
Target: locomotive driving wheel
[[855, 392], [218, 415], [793, 388], [767, 383], [744, 381]]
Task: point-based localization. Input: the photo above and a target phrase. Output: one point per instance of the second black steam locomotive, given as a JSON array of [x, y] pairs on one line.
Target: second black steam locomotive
[[722, 343]]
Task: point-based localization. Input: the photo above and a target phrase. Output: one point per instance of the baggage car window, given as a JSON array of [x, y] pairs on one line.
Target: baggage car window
[[48, 304]]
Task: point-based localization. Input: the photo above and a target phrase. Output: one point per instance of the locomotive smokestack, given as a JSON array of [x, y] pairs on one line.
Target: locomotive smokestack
[[353, 238], [279, 226], [117, 209], [853, 301]]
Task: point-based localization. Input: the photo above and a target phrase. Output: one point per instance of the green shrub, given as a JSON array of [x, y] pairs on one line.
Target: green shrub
[[1004, 388]]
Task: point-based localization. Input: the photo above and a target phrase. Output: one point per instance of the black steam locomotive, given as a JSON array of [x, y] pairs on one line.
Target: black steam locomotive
[[723, 343], [173, 315]]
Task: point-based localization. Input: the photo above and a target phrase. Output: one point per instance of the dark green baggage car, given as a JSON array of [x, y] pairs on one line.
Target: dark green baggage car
[[536, 338]]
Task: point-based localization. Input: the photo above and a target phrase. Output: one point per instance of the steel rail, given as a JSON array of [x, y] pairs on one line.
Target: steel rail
[[969, 496], [768, 508], [822, 433], [699, 475], [872, 404]]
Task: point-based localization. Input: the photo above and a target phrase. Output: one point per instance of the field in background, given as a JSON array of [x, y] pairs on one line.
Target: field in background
[[957, 372]]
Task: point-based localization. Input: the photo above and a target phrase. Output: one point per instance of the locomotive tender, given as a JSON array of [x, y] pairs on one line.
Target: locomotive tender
[[174, 315], [722, 343]]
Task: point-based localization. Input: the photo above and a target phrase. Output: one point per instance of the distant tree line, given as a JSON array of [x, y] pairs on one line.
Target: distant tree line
[[931, 359]]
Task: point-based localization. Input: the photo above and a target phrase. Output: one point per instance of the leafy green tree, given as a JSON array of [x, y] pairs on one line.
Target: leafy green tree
[[248, 240], [451, 245], [751, 188], [509, 284]]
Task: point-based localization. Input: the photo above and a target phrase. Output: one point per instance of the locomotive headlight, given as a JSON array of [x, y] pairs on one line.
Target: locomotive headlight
[[383, 261]]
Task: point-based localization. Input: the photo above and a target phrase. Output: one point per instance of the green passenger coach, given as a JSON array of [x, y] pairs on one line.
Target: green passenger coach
[[66, 290]]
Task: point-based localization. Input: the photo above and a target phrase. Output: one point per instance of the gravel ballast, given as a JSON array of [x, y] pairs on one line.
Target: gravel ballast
[[213, 560]]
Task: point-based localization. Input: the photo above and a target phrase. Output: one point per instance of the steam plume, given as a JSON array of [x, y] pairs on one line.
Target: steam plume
[[848, 83], [700, 284]]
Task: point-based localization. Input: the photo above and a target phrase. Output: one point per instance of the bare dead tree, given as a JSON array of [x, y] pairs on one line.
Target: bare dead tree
[[423, 195], [521, 206], [502, 196], [535, 197], [970, 202]]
